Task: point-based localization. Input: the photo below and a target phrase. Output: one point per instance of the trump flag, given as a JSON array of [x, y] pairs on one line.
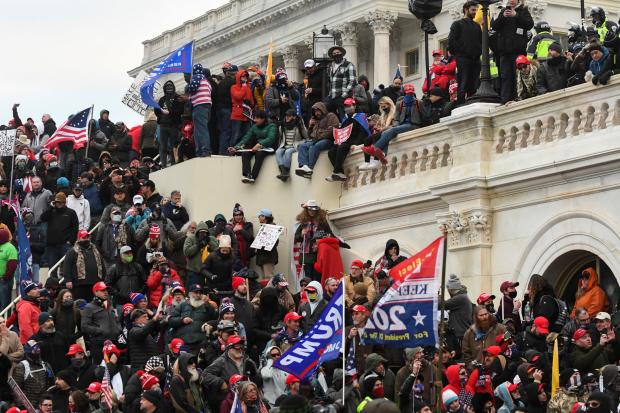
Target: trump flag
[[406, 314], [179, 61]]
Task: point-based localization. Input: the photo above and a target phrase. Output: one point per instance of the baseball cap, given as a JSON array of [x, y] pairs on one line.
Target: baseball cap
[[507, 284], [290, 379], [292, 316], [195, 288], [493, 350], [74, 349], [309, 63], [138, 200], [100, 286], [438, 51], [358, 308], [542, 324], [234, 339], [512, 387], [357, 264], [264, 212], [602, 316], [484, 297], [94, 387], [125, 248], [176, 344], [580, 332]]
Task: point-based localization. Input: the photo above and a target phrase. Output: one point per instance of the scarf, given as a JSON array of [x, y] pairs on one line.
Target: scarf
[[408, 100], [197, 76], [81, 265], [120, 235]]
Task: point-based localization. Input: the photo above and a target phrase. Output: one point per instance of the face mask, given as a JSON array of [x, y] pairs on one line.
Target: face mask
[[116, 218], [313, 296], [386, 110], [21, 165], [67, 303], [463, 381], [338, 58], [127, 259], [490, 309], [78, 363], [84, 243], [53, 164], [349, 110], [378, 393], [512, 294]]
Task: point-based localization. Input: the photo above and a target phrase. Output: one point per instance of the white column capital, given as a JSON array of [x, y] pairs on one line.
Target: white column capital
[[348, 33], [309, 42], [290, 54], [381, 21]]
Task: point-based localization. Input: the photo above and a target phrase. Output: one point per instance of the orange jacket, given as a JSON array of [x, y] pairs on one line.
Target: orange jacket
[[593, 298]]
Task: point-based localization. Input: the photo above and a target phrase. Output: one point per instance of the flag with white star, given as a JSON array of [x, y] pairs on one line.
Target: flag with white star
[[349, 366]]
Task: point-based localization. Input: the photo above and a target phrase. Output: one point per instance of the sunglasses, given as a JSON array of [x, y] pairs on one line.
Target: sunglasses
[[274, 355], [238, 347]]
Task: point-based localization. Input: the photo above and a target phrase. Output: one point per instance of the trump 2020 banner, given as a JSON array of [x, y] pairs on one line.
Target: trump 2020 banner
[[406, 315], [322, 343]]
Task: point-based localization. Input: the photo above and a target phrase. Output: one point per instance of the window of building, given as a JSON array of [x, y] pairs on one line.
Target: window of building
[[413, 62], [443, 45]]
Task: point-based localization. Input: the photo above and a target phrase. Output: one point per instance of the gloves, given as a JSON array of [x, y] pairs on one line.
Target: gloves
[[604, 77], [595, 79]]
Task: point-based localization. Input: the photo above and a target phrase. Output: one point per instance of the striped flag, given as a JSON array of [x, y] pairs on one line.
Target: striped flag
[[25, 255], [74, 129], [350, 369], [236, 406], [106, 387]]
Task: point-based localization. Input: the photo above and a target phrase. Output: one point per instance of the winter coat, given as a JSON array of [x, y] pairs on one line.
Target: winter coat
[[178, 215], [186, 396], [312, 311], [123, 279], [465, 39], [93, 270], [269, 315], [108, 243], [142, 344], [66, 322], [363, 99], [28, 318], [98, 323], [219, 268], [221, 370], [431, 112], [512, 32], [245, 237], [172, 103], [91, 193], [11, 347], [392, 93], [265, 135], [54, 346], [328, 260], [83, 375], [36, 383], [240, 93], [441, 74], [460, 316], [415, 118], [168, 230], [553, 75], [466, 392], [38, 202], [244, 314], [389, 378], [563, 401], [532, 403], [147, 134], [193, 249], [350, 293], [81, 206], [274, 104], [62, 225], [273, 379], [224, 98], [106, 126], [301, 135], [594, 358], [191, 333], [594, 299], [322, 128], [526, 85], [472, 347], [604, 64], [157, 283]]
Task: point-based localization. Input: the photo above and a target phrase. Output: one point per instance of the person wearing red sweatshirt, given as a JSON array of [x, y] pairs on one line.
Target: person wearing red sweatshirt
[[240, 94]]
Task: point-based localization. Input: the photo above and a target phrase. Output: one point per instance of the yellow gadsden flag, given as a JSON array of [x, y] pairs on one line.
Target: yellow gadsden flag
[[269, 70], [478, 18], [555, 369]]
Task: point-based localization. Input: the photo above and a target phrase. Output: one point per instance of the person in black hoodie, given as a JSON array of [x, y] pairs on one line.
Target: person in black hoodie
[[554, 73], [511, 27], [219, 267], [535, 398], [169, 120], [62, 228], [465, 43], [269, 315], [141, 339], [185, 390], [105, 124], [224, 107]]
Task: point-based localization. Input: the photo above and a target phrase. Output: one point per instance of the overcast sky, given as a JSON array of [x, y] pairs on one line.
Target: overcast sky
[[60, 57]]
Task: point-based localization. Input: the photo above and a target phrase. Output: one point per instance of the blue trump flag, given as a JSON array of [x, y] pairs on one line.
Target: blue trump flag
[[406, 315], [179, 61], [25, 255], [322, 343]]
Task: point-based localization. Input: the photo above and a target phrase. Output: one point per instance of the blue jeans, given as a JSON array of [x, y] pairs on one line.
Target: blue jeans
[[284, 156], [224, 126], [309, 151], [239, 129], [386, 136], [169, 135], [6, 292], [54, 254], [200, 116]]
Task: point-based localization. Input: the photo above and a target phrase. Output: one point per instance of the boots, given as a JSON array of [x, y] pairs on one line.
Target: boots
[[284, 173]]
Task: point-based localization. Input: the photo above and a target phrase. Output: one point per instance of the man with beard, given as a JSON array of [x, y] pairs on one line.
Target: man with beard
[[480, 335], [142, 338], [169, 121], [99, 322], [244, 312], [233, 361], [312, 309], [582, 320], [53, 343], [185, 390], [38, 200], [553, 74], [83, 266], [80, 366], [569, 392], [395, 90], [331, 285], [33, 375], [509, 306], [357, 276], [187, 319]]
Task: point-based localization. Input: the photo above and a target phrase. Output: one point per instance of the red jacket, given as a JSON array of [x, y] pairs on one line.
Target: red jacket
[[28, 319], [156, 288], [328, 260], [441, 75], [454, 384], [239, 93]]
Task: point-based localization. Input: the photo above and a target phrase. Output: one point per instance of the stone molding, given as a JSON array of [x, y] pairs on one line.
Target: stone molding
[[467, 229], [290, 54], [348, 33], [381, 21], [537, 8]]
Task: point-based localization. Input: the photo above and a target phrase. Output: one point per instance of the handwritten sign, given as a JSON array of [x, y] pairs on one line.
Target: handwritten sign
[[7, 141], [267, 237], [132, 97], [343, 134]]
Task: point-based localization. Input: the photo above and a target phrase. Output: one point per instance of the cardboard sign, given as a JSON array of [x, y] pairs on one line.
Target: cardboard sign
[[343, 134], [267, 237], [132, 97]]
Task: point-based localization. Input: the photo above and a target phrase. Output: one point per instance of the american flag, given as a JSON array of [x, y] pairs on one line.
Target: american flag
[[106, 388], [350, 369], [74, 129]]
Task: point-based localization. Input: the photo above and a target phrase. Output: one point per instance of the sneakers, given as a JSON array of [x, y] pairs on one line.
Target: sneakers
[[336, 177], [247, 179], [304, 171], [369, 166]]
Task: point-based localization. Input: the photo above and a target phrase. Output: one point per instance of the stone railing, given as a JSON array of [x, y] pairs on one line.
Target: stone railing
[[412, 153], [557, 116]]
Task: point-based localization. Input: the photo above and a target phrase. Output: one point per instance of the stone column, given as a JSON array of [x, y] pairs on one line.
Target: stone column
[[348, 34], [290, 54], [381, 22]]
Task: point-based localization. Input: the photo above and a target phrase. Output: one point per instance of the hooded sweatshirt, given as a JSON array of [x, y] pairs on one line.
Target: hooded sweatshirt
[[274, 380], [598, 68], [170, 102], [240, 93], [532, 403], [593, 297], [502, 392], [185, 394], [312, 310], [465, 392], [322, 128]]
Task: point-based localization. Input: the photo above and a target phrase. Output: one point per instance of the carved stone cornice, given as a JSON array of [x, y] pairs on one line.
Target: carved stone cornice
[[381, 21], [348, 33], [467, 229], [455, 12], [537, 8]]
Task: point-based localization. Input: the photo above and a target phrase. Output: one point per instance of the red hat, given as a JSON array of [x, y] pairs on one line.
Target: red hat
[[291, 316], [74, 349], [82, 234], [100, 286], [512, 387], [484, 297], [290, 379], [357, 264], [438, 51], [349, 101], [409, 88], [110, 348], [234, 339], [507, 284], [493, 350], [154, 231], [580, 332], [542, 325], [127, 308], [176, 344], [94, 387], [16, 410], [358, 308], [148, 381], [236, 378], [236, 282], [577, 407], [522, 60]]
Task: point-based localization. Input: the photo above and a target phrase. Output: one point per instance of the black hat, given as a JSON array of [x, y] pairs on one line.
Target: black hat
[[149, 183], [195, 288], [78, 187], [43, 317], [556, 47], [294, 404], [67, 377], [152, 396], [437, 91], [331, 50]]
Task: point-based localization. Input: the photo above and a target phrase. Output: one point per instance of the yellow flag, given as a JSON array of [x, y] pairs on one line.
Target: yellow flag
[[478, 18], [269, 70], [555, 369]]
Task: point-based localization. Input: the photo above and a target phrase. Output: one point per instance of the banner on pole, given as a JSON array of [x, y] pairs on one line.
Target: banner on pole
[[406, 316], [7, 142], [267, 237], [132, 97]]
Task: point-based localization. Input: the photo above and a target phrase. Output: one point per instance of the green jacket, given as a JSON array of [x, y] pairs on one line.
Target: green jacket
[[193, 249], [264, 135]]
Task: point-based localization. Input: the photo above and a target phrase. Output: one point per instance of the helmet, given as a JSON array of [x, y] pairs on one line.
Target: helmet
[[349, 101], [224, 325], [542, 26], [522, 60], [597, 14]]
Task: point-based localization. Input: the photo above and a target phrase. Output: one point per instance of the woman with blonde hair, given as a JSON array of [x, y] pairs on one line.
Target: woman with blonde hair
[[250, 398], [379, 123]]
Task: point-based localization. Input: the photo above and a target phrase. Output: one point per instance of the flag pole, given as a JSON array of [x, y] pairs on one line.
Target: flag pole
[[12, 171], [442, 311], [92, 111]]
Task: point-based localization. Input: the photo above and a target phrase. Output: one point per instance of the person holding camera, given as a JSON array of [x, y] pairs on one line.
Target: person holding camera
[[281, 96], [62, 228], [197, 248]]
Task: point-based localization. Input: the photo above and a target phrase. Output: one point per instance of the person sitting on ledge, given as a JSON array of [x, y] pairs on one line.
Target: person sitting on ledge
[[258, 142]]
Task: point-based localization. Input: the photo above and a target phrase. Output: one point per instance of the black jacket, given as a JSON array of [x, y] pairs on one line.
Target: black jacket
[[142, 344], [123, 279], [553, 74], [224, 100], [53, 349], [84, 375], [244, 313], [511, 32], [465, 39], [219, 268], [173, 104], [70, 270], [62, 225], [99, 324]]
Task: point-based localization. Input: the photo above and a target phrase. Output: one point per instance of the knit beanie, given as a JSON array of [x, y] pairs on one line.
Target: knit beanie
[[236, 282], [67, 378], [147, 380], [294, 404], [453, 283], [153, 363], [237, 209], [153, 396], [447, 397], [556, 47]]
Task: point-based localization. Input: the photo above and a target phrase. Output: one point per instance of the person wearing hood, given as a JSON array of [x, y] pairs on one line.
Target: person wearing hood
[[269, 314], [481, 334], [357, 276], [77, 202], [274, 379], [294, 133], [391, 257], [83, 266], [589, 293], [196, 249], [376, 365], [112, 235], [602, 64], [553, 74], [218, 266], [535, 398], [160, 279], [169, 121], [372, 389], [240, 94], [362, 96], [8, 265], [244, 233], [321, 133], [509, 394], [598, 402], [414, 381], [148, 140], [221, 228], [460, 383], [200, 89], [281, 96], [104, 123], [312, 309], [120, 143], [168, 232], [33, 375], [459, 306], [569, 392]]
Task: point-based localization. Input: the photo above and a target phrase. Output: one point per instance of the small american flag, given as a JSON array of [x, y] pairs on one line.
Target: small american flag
[[350, 369], [106, 388], [74, 129]]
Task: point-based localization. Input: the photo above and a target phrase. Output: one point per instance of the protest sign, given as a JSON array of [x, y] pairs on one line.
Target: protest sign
[[267, 237]]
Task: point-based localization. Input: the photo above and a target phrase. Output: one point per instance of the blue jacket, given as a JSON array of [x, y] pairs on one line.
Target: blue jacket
[[598, 68], [92, 194]]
